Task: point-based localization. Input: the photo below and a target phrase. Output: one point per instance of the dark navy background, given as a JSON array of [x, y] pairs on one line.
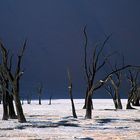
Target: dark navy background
[[55, 38]]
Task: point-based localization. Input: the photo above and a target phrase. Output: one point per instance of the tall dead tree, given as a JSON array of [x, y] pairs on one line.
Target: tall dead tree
[[95, 65], [14, 78], [12, 114], [39, 92], [71, 95], [92, 68]]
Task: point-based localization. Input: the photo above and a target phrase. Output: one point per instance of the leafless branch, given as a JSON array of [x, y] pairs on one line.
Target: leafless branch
[[18, 68]]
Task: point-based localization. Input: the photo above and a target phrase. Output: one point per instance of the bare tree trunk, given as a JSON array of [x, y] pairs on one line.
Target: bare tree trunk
[[5, 109], [128, 106], [28, 99], [119, 103], [12, 114], [0, 97], [39, 99], [84, 107], [50, 100], [13, 78], [115, 104], [39, 91], [72, 103], [71, 96], [129, 101], [136, 102], [89, 107], [20, 115], [73, 109]]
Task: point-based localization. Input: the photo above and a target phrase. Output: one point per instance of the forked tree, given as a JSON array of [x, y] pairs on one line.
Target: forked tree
[[114, 88], [71, 95], [92, 68], [93, 65], [110, 91], [14, 78], [98, 85]]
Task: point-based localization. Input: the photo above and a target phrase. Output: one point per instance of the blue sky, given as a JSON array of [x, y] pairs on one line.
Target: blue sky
[[55, 38]]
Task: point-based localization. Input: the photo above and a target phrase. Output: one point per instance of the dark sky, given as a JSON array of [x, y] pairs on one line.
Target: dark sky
[[55, 38]]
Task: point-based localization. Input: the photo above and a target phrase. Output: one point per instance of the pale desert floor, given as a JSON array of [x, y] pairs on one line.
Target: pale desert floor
[[55, 122]]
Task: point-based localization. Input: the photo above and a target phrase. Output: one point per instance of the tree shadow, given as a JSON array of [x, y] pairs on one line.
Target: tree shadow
[[137, 120], [45, 124], [86, 138]]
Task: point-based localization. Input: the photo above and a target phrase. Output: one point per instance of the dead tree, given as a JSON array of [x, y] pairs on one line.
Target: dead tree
[[50, 100], [110, 91], [113, 91], [29, 99], [39, 92], [115, 81], [4, 99], [14, 78], [133, 95], [117, 95], [12, 114], [7, 97], [11, 110], [92, 68], [136, 101], [70, 94], [97, 86]]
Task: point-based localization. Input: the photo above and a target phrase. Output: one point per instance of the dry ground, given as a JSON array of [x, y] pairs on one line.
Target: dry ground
[[54, 122]]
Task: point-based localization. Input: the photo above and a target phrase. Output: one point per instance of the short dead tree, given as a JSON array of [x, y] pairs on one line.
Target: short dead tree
[[71, 95], [29, 99], [50, 100], [39, 92]]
